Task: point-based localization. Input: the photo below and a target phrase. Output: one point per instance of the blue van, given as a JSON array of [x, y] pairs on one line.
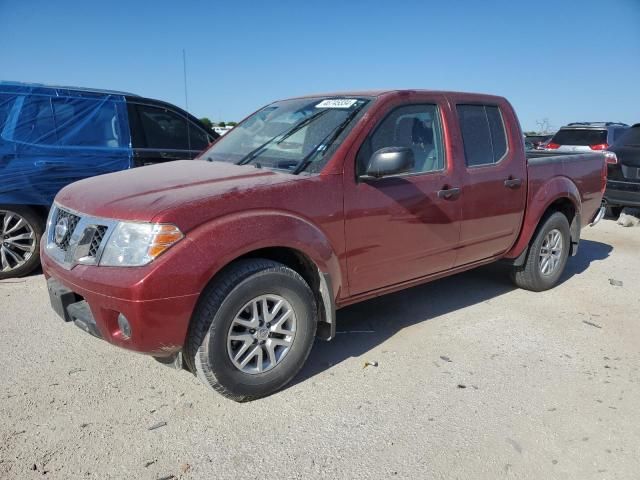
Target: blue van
[[53, 136]]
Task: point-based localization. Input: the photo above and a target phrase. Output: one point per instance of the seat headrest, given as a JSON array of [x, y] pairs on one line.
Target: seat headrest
[[404, 132], [422, 133]]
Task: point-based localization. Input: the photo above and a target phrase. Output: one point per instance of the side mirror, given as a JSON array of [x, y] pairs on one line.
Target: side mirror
[[389, 161]]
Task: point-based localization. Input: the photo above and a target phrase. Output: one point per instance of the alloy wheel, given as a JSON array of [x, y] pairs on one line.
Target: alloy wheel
[[261, 334], [551, 252], [17, 241]]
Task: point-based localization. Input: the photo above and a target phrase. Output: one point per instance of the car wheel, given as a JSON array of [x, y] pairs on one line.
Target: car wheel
[[253, 329], [547, 255], [21, 229]]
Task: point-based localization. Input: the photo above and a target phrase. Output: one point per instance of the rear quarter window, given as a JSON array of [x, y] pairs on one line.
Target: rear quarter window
[[483, 134]]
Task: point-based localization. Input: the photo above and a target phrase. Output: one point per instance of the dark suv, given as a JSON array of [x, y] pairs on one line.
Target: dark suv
[[53, 136], [623, 182], [586, 136]]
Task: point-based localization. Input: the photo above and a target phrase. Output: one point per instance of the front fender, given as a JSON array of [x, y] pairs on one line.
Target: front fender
[[539, 199], [229, 237]]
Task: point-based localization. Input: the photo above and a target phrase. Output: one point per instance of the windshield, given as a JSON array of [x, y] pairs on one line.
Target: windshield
[[293, 135]]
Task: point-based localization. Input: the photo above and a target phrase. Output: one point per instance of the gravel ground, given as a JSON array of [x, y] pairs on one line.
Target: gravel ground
[[475, 379]]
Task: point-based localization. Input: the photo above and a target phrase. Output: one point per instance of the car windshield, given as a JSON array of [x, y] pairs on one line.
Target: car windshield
[[582, 137], [292, 135]]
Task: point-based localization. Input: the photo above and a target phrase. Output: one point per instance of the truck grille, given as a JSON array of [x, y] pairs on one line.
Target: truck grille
[[71, 224], [74, 239], [96, 241]]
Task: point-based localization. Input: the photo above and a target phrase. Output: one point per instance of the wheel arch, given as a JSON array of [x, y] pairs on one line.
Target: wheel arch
[[41, 210], [319, 282], [564, 197], [290, 240]]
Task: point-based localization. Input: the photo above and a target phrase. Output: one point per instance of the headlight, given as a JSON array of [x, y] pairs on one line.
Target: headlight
[[135, 244]]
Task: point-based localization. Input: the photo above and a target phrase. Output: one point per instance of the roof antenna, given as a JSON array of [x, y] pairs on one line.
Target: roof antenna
[[186, 98]]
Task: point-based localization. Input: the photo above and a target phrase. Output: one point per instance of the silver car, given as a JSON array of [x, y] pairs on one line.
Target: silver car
[[586, 136]]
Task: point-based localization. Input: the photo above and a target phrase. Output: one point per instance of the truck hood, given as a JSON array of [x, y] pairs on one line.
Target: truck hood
[[140, 194]]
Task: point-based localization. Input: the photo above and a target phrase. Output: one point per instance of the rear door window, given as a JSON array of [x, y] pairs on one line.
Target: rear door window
[[580, 137], [483, 134], [69, 122], [631, 137], [165, 129], [35, 122], [87, 123], [618, 133]]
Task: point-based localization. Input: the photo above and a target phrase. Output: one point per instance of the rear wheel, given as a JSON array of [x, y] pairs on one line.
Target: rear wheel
[[21, 229], [547, 255], [253, 329]]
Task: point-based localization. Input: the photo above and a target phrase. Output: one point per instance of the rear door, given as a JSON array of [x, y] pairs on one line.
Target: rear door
[[493, 180], [54, 140], [400, 228], [160, 134], [627, 148]]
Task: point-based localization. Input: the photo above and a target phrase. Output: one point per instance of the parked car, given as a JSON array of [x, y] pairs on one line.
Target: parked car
[[537, 141], [231, 266], [623, 181], [528, 145], [586, 136], [52, 136]]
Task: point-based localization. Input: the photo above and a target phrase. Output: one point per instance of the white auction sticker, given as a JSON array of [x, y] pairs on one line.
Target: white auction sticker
[[337, 103]]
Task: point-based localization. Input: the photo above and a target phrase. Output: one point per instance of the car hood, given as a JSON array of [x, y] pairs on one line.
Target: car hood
[[141, 194]]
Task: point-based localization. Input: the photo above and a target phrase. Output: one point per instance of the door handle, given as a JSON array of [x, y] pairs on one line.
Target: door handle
[[44, 163], [513, 182], [449, 193]]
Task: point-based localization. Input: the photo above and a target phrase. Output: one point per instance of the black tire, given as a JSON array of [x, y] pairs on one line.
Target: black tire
[[613, 212], [36, 223], [529, 276], [206, 351]]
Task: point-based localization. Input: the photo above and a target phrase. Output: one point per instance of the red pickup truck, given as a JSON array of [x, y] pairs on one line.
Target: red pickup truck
[[232, 265]]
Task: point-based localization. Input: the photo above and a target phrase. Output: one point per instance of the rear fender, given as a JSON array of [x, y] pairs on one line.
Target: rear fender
[[554, 189]]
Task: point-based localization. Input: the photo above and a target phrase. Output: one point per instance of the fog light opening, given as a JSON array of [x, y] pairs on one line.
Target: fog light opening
[[124, 326]]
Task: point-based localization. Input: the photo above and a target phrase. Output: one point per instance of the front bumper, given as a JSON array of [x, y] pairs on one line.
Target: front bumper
[[622, 193], [93, 297]]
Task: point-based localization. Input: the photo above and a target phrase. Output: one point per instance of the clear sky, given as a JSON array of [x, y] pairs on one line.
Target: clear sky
[[565, 60]]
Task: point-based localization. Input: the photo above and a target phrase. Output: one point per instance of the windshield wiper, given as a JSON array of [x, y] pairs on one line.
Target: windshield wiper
[[326, 141], [281, 137], [301, 125]]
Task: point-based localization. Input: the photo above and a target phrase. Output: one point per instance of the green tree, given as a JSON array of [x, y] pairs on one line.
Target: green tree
[[232, 124], [206, 122], [222, 124]]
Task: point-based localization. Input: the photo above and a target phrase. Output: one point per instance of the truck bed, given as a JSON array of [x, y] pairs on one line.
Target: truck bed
[[586, 171]]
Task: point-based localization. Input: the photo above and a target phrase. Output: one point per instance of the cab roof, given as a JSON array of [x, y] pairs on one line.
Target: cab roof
[[58, 89]]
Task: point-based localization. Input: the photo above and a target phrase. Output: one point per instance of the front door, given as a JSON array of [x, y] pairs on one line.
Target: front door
[[402, 227], [161, 135]]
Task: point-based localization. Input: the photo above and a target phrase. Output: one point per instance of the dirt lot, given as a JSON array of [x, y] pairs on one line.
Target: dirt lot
[[475, 379]]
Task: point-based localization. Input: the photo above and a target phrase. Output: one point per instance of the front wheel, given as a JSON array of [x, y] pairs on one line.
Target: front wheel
[[253, 329], [547, 256]]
